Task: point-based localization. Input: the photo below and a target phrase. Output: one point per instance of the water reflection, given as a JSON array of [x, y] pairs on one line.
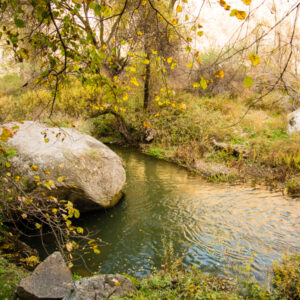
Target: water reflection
[[213, 226]]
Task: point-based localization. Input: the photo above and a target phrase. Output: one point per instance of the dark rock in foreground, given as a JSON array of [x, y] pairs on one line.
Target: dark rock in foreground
[[51, 280]]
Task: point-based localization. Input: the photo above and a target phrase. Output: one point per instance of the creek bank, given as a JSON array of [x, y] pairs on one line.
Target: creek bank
[[52, 280], [77, 167], [172, 282], [236, 171]]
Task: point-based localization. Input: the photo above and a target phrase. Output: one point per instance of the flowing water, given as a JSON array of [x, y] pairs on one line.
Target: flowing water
[[216, 227], [213, 226]]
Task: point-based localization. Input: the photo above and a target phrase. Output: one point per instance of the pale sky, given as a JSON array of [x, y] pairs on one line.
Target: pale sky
[[218, 26]]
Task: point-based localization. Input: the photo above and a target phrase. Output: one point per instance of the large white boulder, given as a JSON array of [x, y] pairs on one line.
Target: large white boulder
[[76, 159], [294, 121]]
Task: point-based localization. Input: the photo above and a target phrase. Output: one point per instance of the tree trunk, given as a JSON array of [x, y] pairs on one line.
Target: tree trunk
[[172, 4], [123, 128], [147, 84]]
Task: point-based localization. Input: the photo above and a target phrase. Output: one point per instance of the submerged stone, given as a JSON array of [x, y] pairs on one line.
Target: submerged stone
[[51, 280], [84, 170]]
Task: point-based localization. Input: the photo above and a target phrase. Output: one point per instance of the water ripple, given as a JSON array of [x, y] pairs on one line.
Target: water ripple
[[212, 226]]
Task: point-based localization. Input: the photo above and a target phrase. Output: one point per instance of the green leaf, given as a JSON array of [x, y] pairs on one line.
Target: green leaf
[[76, 213], [3, 6], [248, 81], [79, 230], [19, 23]]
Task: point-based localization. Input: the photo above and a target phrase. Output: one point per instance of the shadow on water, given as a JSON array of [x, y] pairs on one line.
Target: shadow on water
[[213, 226]]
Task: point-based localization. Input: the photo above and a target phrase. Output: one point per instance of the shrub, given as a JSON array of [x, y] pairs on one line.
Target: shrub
[[287, 278]]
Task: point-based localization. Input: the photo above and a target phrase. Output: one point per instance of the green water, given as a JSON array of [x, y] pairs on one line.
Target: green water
[[213, 226]]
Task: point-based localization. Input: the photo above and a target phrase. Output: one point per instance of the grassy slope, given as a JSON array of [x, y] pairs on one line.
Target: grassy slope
[[10, 276], [187, 135]]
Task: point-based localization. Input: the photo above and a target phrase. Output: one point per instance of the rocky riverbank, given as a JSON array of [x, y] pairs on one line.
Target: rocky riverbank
[[53, 280]]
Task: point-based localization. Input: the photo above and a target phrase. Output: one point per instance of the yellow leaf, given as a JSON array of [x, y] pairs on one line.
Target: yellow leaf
[[146, 61], [188, 48], [104, 47], [7, 164], [189, 65], [154, 52], [199, 60], [203, 83], [196, 85], [147, 124], [79, 230], [125, 98], [241, 15], [38, 226], [222, 3], [173, 65], [219, 74], [247, 2], [6, 134], [69, 246], [178, 8], [134, 81], [76, 213], [156, 98], [169, 60], [254, 59], [144, 2], [189, 39], [187, 17], [182, 106], [116, 282], [46, 140], [200, 33], [60, 179], [96, 251], [174, 21], [139, 33], [47, 172], [34, 168]]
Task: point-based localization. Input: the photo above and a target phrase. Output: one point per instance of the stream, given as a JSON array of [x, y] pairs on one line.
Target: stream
[[216, 227]]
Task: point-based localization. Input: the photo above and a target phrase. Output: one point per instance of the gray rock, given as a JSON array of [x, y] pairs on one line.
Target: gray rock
[[51, 280], [84, 162], [294, 121], [213, 169], [101, 287]]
